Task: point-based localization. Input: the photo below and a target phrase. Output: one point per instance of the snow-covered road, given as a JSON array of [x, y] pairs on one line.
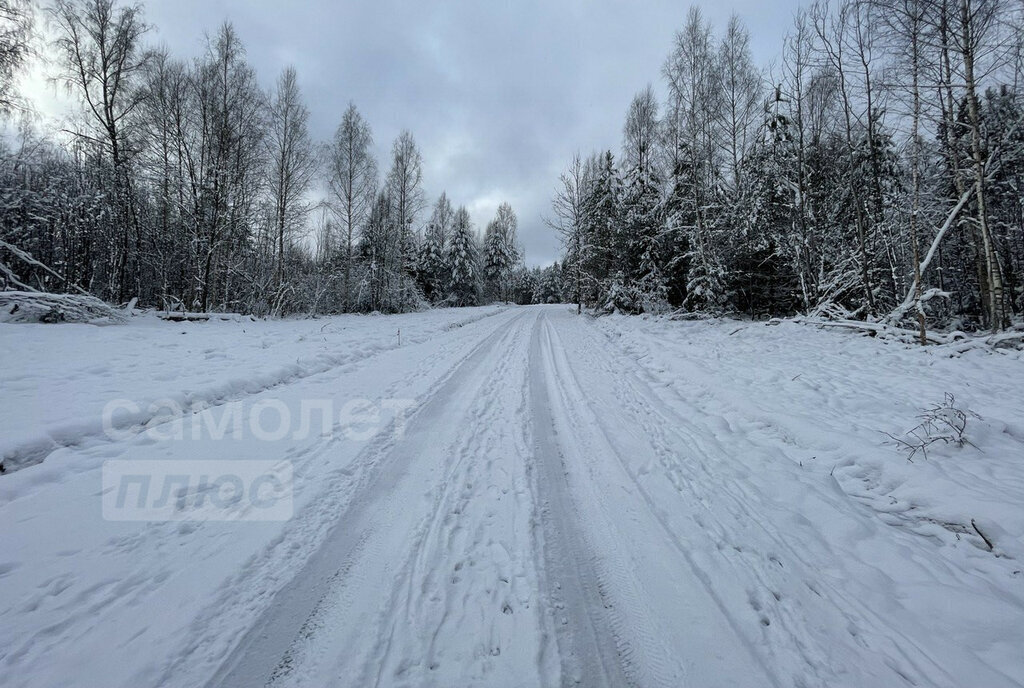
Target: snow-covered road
[[562, 501]]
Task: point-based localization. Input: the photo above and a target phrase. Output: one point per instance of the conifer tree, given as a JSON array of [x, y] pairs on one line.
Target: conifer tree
[[463, 261]]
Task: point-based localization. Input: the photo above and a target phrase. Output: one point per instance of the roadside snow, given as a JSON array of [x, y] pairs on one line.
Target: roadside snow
[[827, 399], [793, 419], [58, 379]]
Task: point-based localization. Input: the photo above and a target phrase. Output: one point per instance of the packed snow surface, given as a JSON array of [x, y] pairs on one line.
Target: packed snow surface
[[560, 500]]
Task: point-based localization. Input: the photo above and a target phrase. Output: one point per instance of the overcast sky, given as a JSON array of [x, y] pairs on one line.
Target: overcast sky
[[498, 94]]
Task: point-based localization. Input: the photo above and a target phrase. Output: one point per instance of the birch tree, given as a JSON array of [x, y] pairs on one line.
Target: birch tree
[[352, 184], [694, 100], [975, 35], [569, 221], [226, 162], [293, 164], [405, 188], [741, 96], [102, 59]]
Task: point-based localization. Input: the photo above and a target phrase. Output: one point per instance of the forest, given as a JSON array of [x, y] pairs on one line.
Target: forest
[[873, 173], [184, 185]]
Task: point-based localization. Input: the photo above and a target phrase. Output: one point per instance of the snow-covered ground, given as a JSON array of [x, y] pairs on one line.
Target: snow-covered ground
[[61, 378], [548, 500]]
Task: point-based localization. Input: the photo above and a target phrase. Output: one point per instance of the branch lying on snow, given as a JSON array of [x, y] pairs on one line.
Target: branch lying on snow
[[41, 307], [956, 342], [959, 343], [977, 530], [829, 310], [873, 329], [31, 305], [945, 423]]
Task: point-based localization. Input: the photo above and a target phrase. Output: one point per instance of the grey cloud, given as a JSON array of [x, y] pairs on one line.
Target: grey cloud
[[499, 95]]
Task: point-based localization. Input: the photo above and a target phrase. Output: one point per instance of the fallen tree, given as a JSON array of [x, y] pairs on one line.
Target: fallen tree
[[43, 307]]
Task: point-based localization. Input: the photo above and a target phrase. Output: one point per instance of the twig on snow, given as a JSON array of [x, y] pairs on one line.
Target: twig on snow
[[977, 530]]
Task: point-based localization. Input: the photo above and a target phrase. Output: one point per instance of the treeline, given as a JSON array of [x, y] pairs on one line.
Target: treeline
[[876, 172], [185, 184]]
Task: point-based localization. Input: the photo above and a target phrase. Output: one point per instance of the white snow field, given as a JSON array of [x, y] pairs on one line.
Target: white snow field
[[561, 501]]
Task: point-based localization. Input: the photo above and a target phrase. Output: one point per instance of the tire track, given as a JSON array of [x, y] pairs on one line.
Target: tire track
[[307, 610], [589, 648], [469, 570], [699, 640], [259, 584]]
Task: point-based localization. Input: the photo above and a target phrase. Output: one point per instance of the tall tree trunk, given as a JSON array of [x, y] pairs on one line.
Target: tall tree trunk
[[996, 303], [916, 173]]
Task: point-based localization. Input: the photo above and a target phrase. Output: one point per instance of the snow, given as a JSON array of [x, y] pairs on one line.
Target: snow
[[65, 376], [785, 424], [567, 500]]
